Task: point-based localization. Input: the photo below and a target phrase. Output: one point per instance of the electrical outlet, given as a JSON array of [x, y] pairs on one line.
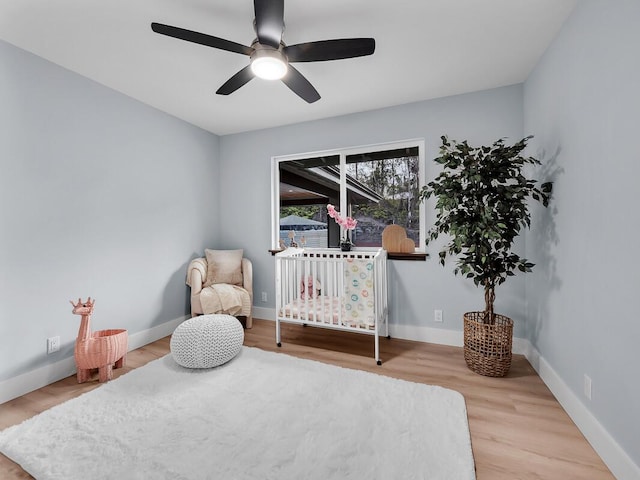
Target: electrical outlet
[[53, 344], [587, 386], [264, 296], [437, 316]]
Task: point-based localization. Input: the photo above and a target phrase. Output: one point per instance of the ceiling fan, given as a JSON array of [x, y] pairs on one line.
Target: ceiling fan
[[269, 57]]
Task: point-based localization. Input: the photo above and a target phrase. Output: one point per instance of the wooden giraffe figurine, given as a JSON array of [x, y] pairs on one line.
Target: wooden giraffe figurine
[[98, 350]]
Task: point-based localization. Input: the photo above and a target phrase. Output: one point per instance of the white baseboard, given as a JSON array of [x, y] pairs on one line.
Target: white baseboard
[[40, 377], [618, 461], [27, 382], [145, 337], [264, 313], [440, 336]]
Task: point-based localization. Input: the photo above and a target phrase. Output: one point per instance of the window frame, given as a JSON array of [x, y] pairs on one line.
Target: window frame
[[343, 153]]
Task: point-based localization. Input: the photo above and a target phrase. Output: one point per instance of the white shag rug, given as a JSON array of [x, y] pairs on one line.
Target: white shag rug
[[261, 416]]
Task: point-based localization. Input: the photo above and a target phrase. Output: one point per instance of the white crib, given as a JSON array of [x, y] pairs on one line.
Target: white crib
[[333, 289]]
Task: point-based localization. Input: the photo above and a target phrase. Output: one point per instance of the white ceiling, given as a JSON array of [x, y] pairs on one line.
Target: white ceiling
[[424, 49]]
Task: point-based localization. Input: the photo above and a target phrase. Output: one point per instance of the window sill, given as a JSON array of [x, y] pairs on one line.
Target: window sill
[[416, 256]]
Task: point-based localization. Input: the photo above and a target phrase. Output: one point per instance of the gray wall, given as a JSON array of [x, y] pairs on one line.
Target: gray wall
[[582, 102], [416, 288], [99, 195]]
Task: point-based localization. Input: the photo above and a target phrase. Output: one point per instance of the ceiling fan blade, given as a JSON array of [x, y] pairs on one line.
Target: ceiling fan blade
[[269, 21], [235, 82], [201, 38], [330, 49], [300, 85]]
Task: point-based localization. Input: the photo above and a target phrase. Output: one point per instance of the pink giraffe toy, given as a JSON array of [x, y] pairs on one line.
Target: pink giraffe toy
[[101, 349]]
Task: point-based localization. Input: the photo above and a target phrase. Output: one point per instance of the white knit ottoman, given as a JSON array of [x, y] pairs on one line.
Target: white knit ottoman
[[207, 341]]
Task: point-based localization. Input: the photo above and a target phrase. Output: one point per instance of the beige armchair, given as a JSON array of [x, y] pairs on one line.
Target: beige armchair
[[222, 282]]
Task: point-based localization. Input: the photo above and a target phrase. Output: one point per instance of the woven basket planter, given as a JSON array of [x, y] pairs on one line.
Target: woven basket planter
[[487, 347]]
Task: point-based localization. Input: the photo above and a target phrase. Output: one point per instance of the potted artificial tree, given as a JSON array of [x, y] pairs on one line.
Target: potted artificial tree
[[482, 199]]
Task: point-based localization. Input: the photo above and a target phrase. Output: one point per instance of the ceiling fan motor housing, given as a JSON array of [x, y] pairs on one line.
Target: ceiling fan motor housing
[[267, 62]]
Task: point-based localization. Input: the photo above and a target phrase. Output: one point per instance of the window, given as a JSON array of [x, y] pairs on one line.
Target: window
[[378, 185]]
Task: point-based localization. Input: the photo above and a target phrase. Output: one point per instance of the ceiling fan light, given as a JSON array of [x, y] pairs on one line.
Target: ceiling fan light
[[268, 65]]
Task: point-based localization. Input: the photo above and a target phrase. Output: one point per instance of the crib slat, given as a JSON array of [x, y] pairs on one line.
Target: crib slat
[[314, 291]]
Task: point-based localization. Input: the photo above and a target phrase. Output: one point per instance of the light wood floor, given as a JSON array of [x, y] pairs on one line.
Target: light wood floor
[[518, 429]]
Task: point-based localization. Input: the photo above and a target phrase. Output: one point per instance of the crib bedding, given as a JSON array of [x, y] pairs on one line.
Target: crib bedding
[[324, 309]]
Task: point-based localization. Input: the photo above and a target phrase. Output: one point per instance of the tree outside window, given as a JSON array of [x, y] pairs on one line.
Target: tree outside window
[[395, 179]]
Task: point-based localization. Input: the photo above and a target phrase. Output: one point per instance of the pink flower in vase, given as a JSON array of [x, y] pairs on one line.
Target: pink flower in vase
[[350, 223], [347, 223], [333, 213]]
